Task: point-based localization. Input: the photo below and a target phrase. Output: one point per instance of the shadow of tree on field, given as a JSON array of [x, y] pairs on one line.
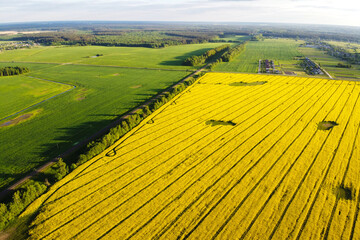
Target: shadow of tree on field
[[179, 59], [7, 176], [72, 136], [106, 115]]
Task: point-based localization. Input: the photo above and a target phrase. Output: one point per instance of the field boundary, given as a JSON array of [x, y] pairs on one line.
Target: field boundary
[[27, 108], [95, 65]]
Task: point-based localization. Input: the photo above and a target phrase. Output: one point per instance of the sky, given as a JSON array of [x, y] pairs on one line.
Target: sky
[[334, 12]]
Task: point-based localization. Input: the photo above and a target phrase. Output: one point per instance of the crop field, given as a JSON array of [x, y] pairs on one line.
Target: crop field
[[236, 156], [168, 58], [329, 63], [236, 38], [19, 92], [283, 51], [102, 94]]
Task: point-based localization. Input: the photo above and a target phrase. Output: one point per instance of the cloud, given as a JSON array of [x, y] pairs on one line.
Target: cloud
[[232, 0], [292, 11]]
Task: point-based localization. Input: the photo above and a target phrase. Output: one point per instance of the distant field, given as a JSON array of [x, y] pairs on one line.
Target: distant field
[[168, 58], [329, 63], [102, 94], [350, 47], [20, 92], [261, 170], [236, 38], [282, 51]]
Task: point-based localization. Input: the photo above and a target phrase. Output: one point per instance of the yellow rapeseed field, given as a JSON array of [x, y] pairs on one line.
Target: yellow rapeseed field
[[236, 156]]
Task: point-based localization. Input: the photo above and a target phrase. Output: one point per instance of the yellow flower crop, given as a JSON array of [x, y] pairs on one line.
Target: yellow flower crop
[[262, 168]]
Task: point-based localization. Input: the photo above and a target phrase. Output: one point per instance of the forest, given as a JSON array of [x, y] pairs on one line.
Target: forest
[[163, 34]]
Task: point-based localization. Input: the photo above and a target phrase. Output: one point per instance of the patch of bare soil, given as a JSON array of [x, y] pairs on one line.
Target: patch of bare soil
[[4, 235], [82, 94], [17, 120], [220, 122], [136, 86], [247, 83], [290, 73]]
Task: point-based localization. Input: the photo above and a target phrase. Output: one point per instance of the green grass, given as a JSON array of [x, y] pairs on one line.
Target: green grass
[[282, 51], [236, 38], [20, 92], [329, 64], [102, 94], [237, 84], [167, 58]]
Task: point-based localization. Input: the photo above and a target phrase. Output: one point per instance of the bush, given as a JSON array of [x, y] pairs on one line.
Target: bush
[[61, 169], [197, 60], [9, 71], [233, 52]]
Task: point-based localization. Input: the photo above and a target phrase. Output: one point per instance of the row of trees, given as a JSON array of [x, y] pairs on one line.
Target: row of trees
[[257, 37], [233, 52], [123, 38], [341, 65], [229, 55], [20, 200], [23, 197], [98, 146], [9, 71], [320, 34], [197, 60]]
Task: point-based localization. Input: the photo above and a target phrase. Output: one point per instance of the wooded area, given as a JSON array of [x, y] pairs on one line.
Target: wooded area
[[9, 71]]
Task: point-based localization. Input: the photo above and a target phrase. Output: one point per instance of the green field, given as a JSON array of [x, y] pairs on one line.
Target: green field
[[236, 38], [329, 63], [165, 58], [20, 92], [283, 51]]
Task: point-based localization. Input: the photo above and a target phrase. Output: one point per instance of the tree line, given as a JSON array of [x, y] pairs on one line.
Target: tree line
[[22, 198], [9, 71], [229, 55], [197, 60], [257, 37], [119, 38], [233, 52]]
